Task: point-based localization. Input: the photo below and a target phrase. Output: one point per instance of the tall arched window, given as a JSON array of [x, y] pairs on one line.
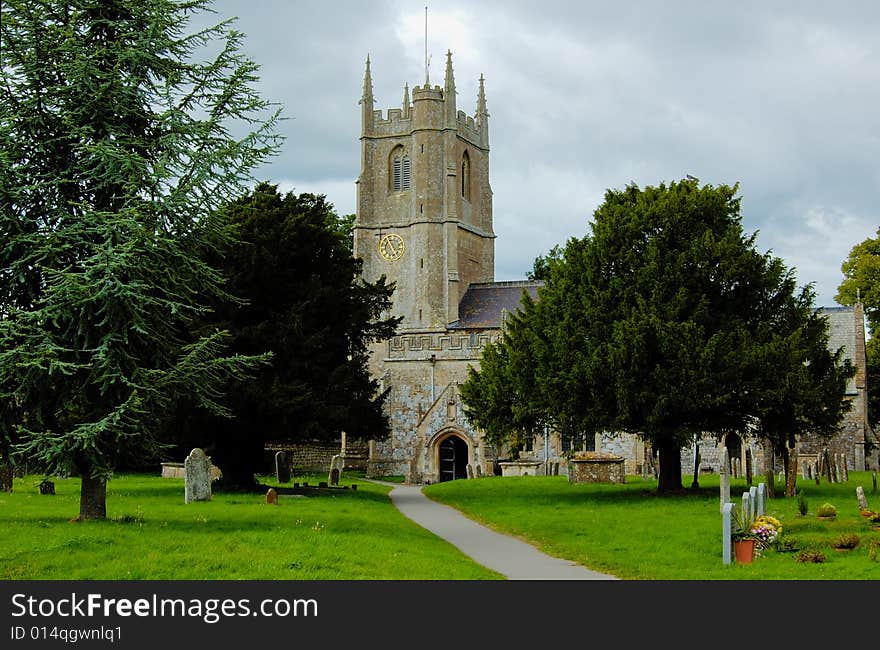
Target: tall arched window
[[466, 176], [400, 172]]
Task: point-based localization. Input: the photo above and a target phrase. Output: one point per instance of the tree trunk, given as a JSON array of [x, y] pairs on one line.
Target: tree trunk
[[791, 470], [92, 498], [768, 471], [670, 467]]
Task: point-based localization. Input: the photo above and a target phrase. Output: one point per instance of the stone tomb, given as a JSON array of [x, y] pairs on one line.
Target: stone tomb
[[197, 477], [520, 467], [596, 467]]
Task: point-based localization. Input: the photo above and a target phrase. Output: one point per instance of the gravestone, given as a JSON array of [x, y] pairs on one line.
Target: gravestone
[[749, 466], [753, 501], [826, 465], [843, 468], [724, 477], [47, 487], [556, 468], [762, 489], [470, 471], [746, 509], [816, 473], [333, 479], [196, 477], [726, 532], [337, 463], [282, 470], [860, 495], [6, 474], [735, 464], [479, 471], [873, 481], [805, 470], [272, 497]]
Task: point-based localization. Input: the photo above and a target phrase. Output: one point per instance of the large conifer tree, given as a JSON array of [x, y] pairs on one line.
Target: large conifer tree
[[116, 147]]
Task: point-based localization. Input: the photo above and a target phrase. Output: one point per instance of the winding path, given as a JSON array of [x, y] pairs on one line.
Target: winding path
[[502, 553]]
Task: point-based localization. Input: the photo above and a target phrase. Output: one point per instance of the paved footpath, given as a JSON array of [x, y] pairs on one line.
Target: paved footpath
[[502, 553]]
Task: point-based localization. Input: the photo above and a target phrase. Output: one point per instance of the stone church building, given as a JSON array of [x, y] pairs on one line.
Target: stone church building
[[424, 220]]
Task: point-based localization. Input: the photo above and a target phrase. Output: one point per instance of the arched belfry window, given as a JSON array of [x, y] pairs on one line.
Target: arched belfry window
[[466, 176], [400, 174]]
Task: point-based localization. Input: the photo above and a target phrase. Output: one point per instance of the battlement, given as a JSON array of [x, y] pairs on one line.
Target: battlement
[[426, 92]]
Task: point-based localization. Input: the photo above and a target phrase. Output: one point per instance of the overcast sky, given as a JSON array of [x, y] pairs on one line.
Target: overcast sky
[[783, 98]]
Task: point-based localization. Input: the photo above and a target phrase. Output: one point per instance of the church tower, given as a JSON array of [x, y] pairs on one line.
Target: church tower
[[424, 220], [424, 205]]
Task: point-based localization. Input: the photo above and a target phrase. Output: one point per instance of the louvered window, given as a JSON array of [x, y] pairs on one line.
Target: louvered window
[[406, 173], [395, 185], [401, 174]]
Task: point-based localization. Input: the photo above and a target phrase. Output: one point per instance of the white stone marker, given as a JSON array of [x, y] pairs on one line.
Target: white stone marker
[[762, 495], [726, 546], [753, 501], [724, 477]]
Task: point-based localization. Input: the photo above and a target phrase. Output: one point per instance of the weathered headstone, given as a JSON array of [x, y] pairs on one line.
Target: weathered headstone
[[337, 463], [724, 477], [749, 461], [272, 496], [735, 468], [726, 532], [860, 495], [333, 479], [470, 470], [746, 509], [843, 468], [196, 477], [6, 474], [47, 487], [753, 501], [805, 471], [479, 470], [282, 470], [816, 473], [762, 493], [826, 465]]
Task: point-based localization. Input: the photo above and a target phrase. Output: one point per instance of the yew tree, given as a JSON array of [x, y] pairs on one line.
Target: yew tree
[[301, 297], [120, 135]]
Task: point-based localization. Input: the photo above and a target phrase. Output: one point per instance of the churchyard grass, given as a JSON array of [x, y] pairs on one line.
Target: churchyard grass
[[151, 534], [628, 531]]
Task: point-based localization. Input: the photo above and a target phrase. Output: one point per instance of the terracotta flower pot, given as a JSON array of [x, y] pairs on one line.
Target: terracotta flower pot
[[744, 550]]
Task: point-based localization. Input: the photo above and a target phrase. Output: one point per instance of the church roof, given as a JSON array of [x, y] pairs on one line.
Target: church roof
[[483, 303]]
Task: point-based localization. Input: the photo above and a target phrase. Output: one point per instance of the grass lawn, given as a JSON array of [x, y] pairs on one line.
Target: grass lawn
[[628, 531], [150, 534]]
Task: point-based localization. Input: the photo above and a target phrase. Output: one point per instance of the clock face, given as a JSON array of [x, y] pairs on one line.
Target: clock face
[[391, 247]]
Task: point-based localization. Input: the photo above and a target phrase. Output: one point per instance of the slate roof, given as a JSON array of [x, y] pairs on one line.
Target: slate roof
[[482, 304]]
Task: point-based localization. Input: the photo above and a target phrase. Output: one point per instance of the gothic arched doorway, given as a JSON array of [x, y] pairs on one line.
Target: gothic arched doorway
[[453, 459]]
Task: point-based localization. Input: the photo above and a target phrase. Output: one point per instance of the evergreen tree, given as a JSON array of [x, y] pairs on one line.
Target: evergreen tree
[[116, 148], [300, 297], [667, 323]]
